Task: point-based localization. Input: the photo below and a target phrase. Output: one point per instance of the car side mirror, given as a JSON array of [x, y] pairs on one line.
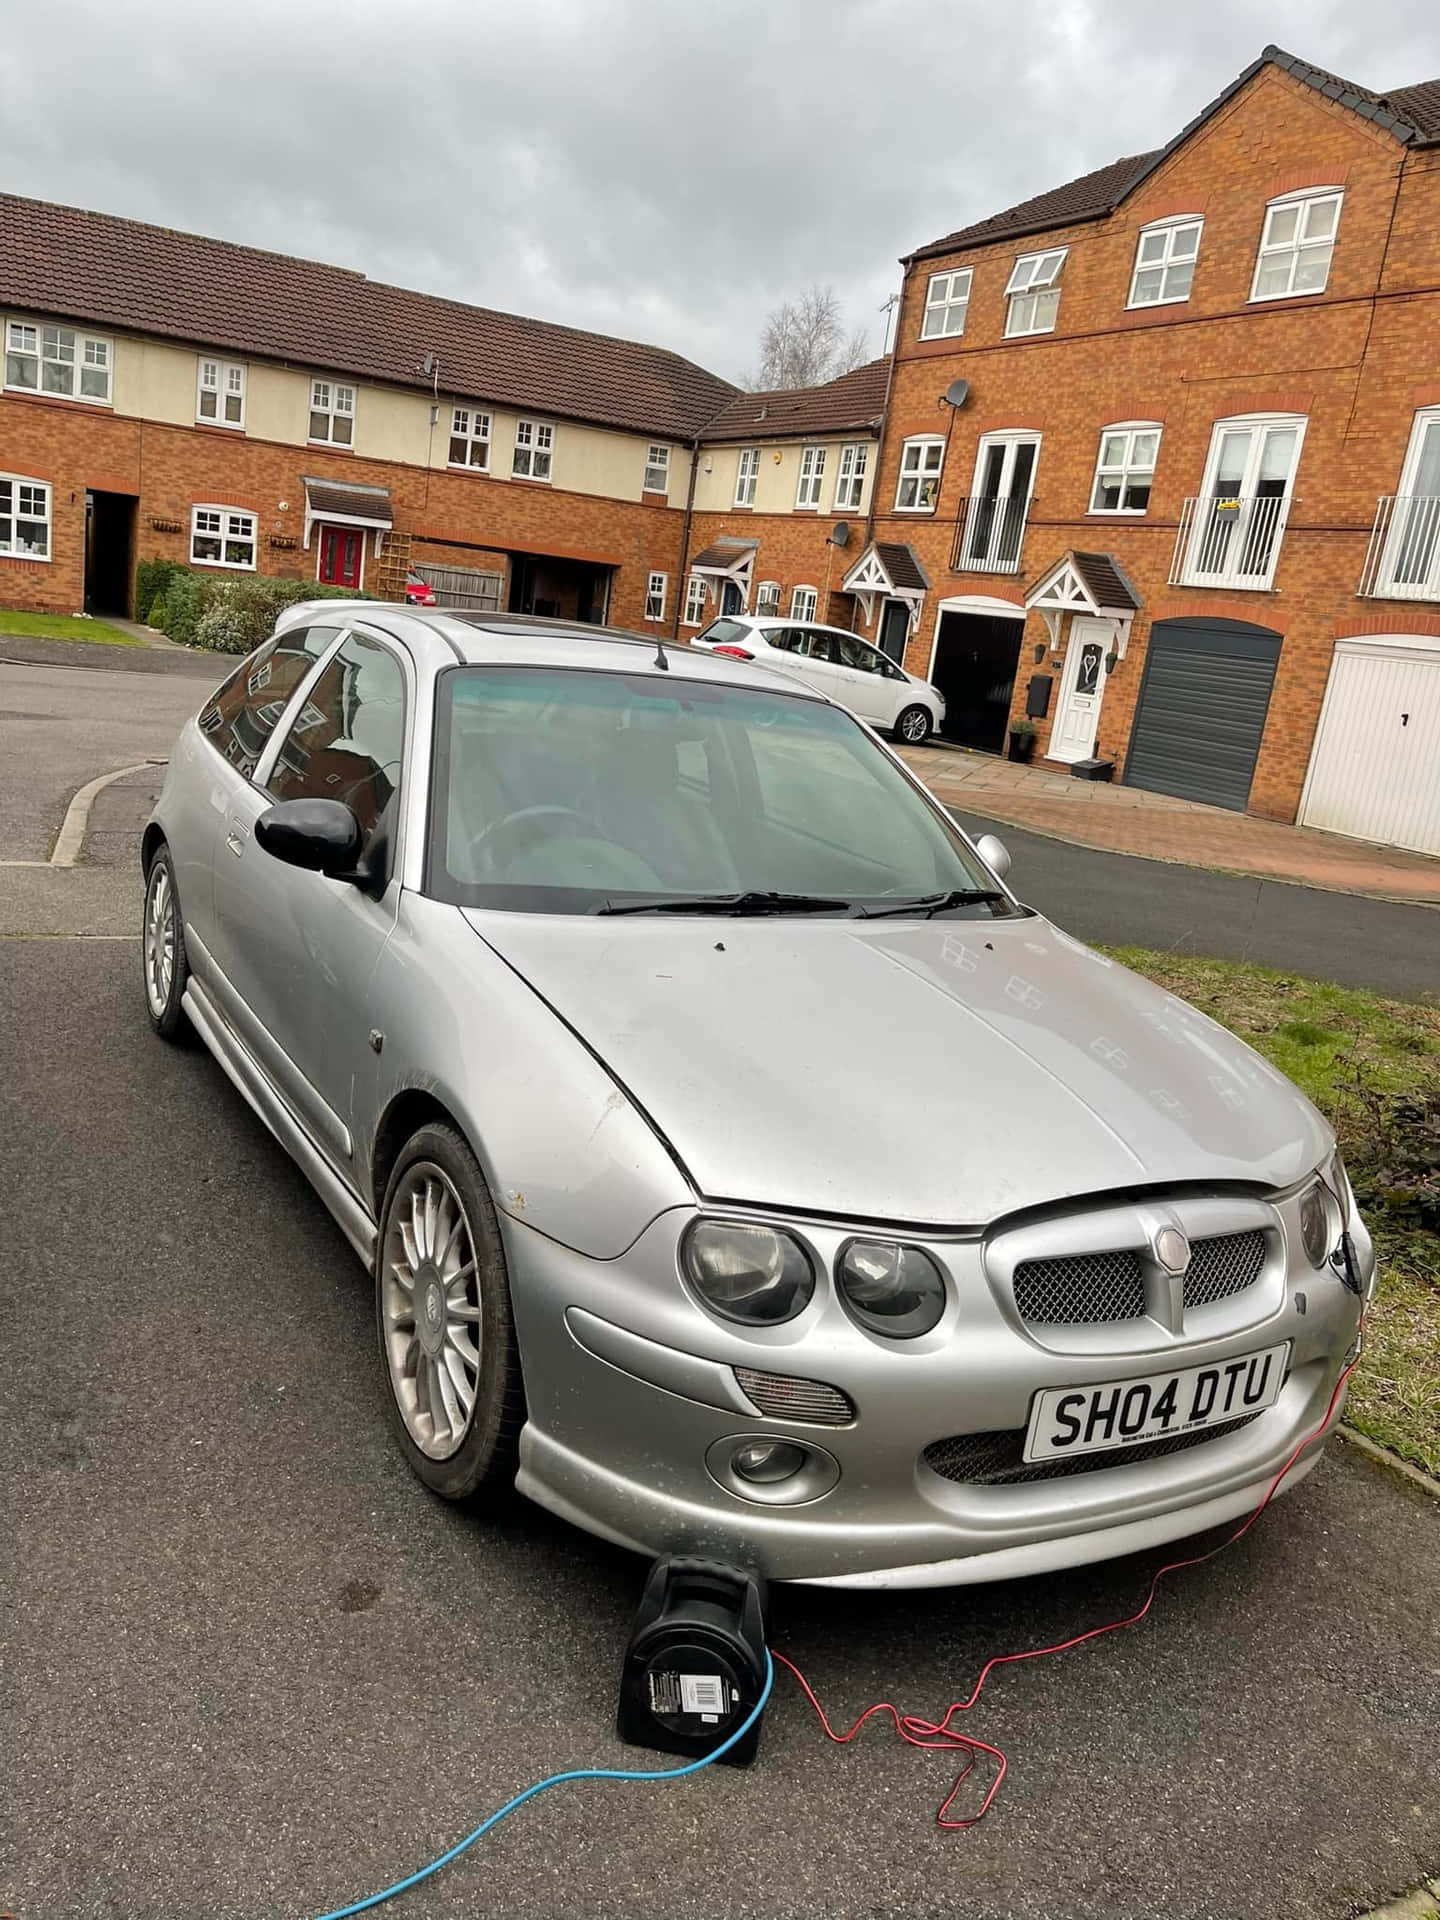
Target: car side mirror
[[322, 836], [994, 853]]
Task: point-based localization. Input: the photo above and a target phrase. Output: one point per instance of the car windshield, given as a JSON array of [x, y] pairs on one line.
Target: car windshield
[[571, 790]]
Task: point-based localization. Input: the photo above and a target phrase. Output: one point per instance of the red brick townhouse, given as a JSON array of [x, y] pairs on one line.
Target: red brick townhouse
[[782, 489], [1161, 464], [243, 411]]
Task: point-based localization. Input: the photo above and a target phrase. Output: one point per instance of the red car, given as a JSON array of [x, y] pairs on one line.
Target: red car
[[418, 590]]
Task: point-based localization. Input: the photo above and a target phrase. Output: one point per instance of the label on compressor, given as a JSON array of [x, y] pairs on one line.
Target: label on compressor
[[702, 1694]]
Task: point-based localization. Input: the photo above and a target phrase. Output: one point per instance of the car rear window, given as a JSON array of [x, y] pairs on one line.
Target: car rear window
[[724, 633]]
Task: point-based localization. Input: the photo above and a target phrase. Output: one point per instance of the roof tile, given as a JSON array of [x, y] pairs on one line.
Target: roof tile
[[853, 400]]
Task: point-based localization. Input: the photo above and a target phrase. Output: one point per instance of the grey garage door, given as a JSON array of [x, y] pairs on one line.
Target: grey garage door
[[1202, 709]]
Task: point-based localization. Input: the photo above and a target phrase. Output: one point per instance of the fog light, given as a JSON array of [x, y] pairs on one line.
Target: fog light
[[764, 1462]]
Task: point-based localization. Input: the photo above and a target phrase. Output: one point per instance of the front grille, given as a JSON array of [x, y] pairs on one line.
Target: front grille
[[1081, 1288], [1222, 1266], [784, 1396], [996, 1459]]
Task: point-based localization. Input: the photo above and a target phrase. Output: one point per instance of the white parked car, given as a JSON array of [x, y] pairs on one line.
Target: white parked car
[[842, 666]]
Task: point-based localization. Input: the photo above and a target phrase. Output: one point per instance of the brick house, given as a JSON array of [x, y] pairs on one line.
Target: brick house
[[175, 396], [1163, 447]]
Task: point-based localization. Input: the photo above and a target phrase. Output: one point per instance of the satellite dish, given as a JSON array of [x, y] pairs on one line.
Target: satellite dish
[[841, 536], [957, 393]]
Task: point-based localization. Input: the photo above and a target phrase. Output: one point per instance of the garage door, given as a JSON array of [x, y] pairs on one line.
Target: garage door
[[1375, 770], [1202, 709]]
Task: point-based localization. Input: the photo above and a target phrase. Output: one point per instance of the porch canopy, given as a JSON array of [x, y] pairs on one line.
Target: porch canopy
[[887, 570], [345, 503], [1094, 584], [726, 559]]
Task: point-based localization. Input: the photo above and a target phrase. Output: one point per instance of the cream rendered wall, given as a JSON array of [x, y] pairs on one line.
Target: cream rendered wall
[[277, 404], [715, 489], [588, 460], [777, 480], [154, 382], [391, 424]]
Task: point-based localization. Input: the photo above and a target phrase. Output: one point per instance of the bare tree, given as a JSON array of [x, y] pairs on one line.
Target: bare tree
[[803, 343]]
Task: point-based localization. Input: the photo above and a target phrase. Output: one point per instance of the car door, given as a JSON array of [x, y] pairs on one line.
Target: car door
[[817, 655], [872, 694], [786, 650], [298, 949]]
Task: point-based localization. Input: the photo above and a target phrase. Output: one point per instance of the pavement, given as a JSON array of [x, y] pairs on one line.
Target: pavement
[[1096, 813], [252, 1668]]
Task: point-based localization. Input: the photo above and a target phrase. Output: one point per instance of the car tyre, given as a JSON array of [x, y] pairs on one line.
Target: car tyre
[[913, 726], [448, 1350], [164, 967]]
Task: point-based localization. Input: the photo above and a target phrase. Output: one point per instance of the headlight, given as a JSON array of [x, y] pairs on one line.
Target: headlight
[[749, 1273], [1325, 1212], [893, 1290]]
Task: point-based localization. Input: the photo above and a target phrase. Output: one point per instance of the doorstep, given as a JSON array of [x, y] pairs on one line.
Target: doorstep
[[1157, 826]]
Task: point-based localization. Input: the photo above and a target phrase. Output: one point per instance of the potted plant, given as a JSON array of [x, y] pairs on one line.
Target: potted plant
[[1022, 739]]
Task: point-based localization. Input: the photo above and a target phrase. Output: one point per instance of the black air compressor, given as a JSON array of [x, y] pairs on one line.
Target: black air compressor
[[695, 1666]]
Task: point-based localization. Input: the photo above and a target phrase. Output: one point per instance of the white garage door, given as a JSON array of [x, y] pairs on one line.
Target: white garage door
[[1375, 770]]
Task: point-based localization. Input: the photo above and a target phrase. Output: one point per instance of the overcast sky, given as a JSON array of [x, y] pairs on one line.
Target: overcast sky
[[643, 167]]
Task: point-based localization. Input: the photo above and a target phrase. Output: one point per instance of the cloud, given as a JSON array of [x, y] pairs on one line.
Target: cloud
[[642, 167]]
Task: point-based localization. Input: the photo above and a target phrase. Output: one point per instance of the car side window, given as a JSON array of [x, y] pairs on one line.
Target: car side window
[[785, 639], [348, 739], [239, 719], [855, 654], [824, 646]]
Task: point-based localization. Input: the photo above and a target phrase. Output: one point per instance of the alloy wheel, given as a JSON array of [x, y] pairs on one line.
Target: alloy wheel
[[914, 726], [159, 938], [430, 1303]]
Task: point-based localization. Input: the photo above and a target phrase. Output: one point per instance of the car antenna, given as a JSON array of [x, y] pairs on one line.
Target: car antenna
[[660, 660]]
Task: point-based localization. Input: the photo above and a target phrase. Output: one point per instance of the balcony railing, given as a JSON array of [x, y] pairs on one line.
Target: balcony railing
[[1230, 540], [1402, 561], [990, 533]]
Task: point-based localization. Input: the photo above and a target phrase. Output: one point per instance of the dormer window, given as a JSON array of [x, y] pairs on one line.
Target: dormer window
[[1034, 292]]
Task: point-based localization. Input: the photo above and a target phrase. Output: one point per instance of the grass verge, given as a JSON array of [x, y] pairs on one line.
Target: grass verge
[[1372, 1066], [65, 626]]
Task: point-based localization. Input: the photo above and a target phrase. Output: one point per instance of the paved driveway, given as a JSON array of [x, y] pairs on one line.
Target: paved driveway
[[254, 1670]]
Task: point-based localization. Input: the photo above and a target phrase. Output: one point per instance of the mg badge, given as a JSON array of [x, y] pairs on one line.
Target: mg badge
[[1172, 1250]]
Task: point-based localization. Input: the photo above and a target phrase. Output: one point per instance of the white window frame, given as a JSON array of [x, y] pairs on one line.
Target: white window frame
[[1170, 231], [696, 594], [12, 512], [1270, 251], [803, 603], [533, 455], [227, 530], [1198, 541], [985, 543], [71, 348], [1414, 529], [917, 468], [1127, 468], [1035, 277], [947, 299], [228, 383], [471, 425], [850, 479], [767, 597], [332, 401], [657, 462], [656, 589], [812, 477], [747, 474]]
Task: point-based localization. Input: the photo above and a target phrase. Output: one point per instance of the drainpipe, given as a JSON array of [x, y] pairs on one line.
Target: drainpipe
[[880, 437], [682, 585]]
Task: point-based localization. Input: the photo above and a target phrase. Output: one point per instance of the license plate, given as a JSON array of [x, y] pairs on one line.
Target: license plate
[[1123, 1413]]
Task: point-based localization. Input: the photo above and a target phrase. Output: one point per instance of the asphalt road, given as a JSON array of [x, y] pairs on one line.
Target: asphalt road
[[254, 1670], [1122, 900]]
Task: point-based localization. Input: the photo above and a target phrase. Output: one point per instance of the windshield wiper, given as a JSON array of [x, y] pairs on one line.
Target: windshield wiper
[[929, 904], [731, 903]]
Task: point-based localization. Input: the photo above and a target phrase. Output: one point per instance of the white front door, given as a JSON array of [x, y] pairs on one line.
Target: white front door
[[1082, 688]]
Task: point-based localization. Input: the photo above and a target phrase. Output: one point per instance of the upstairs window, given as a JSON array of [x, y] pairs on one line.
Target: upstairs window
[[59, 361], [1125, 470], [850, 484], [746, 474], [655, 588], [1165, 263], [24, 518], [695, 600], [332, 413], [221, 537], [767, 597], [919, 484], [812, 473], [657, 470], [470, 439], [802, 603], [1034, 291], [220, 394], [534, 444], [946, 299], [1296, 246]]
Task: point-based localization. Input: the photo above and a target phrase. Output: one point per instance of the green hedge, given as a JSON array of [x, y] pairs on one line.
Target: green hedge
[[227, 613]]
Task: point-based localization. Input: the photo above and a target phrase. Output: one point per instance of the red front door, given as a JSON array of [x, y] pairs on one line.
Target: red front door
[[341, 550]]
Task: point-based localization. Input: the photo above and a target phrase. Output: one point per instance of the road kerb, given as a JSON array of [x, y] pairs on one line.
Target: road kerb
[[71, 840], [1374, 1451]]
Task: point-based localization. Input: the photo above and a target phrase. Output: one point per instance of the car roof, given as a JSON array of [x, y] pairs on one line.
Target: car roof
[[479, 639], [805, 626]]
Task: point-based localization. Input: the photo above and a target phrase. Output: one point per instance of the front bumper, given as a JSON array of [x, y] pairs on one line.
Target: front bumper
[[630, 1385]]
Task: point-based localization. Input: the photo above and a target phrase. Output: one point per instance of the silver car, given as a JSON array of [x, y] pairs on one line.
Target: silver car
[[742, 1168]]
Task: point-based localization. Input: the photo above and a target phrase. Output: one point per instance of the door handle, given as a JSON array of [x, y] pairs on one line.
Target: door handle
[[235, 842]]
